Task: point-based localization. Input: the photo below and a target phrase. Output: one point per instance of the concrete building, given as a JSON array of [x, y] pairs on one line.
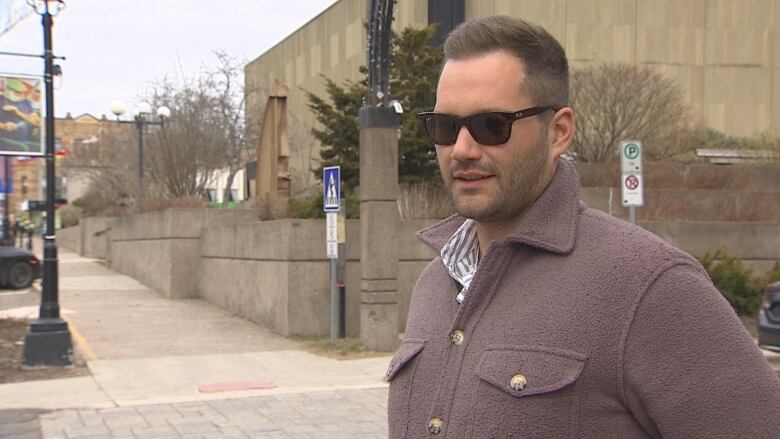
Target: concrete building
[[724, 53]]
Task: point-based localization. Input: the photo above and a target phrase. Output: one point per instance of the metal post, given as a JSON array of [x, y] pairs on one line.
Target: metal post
[[334, 300], [632, 214], [341, 269], [139, 122], [48, 341], [331, 219], [6, 217]]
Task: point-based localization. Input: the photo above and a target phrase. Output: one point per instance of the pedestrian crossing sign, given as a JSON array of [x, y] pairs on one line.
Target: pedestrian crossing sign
[[331, 191]]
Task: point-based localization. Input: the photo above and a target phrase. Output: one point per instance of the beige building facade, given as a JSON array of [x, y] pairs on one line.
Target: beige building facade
[[724, 53]]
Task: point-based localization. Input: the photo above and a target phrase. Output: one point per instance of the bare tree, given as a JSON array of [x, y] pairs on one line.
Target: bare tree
[[240, 131], [110, 163], [207, 132], [185, 153], [614, 102]]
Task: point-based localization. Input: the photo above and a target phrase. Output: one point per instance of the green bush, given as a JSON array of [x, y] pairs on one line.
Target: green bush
[[311, 207], [735, 281]]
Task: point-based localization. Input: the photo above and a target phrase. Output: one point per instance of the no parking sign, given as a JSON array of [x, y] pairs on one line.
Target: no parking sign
[[631, 169]]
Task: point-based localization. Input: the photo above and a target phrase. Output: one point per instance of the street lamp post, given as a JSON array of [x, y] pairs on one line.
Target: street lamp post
[[142, 116], [48, 341]]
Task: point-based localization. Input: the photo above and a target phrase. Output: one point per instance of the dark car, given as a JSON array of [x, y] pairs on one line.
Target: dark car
[[18, 267], [769, 318]]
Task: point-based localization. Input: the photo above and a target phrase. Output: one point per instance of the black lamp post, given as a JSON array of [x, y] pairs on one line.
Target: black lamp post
[[142, 117], [6, 203], [48, 341]]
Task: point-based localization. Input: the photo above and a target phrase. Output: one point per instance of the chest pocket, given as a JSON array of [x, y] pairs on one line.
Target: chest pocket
[[527, 392], [400, 373]]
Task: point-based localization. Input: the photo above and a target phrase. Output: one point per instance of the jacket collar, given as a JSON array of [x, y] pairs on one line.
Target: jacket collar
[[549, 224]]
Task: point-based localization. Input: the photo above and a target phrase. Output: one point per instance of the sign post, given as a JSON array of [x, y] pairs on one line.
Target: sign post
[[331, 202], [631, 180]]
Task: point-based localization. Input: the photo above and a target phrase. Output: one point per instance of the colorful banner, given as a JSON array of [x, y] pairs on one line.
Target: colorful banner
[[21, 123]]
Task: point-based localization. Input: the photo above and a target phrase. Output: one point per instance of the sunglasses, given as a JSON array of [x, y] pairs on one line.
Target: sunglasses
[[493, 128]]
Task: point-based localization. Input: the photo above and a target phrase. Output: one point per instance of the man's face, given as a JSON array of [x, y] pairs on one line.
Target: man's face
[[492, 183]]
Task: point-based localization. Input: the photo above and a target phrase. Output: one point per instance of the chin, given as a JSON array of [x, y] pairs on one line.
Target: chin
[[477, 213]]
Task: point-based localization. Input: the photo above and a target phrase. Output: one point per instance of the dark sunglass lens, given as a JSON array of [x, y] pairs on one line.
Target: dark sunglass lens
[[442, 129], [490, 128]]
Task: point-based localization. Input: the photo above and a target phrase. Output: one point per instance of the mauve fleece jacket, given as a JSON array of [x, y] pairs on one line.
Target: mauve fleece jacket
[[615, 333]]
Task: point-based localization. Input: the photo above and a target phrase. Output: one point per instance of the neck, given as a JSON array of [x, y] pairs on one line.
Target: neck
[[496, 230], [488, 232]]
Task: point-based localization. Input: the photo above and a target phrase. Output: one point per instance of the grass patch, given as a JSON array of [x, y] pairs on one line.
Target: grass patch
[[348, 348]]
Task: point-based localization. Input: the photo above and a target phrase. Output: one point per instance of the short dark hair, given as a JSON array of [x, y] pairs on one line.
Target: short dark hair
[[546, 67]]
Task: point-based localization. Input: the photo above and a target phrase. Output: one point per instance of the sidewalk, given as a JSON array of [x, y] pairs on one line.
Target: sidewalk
[[185, 368]]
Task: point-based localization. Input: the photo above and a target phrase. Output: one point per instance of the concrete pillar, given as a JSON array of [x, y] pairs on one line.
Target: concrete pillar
[[378, 228]]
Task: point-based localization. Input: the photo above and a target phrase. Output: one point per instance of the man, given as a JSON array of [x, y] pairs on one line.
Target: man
[[543, 318]]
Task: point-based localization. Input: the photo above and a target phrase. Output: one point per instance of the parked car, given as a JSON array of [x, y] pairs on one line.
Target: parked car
[[18, 267], [769, 318]]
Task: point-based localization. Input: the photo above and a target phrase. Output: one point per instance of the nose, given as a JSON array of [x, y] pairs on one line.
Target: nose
[[465, 147]]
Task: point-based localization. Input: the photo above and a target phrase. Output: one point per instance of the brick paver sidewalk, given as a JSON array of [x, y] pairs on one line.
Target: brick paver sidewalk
[[342, 414]]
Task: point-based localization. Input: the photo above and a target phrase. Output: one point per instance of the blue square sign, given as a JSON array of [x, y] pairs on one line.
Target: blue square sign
[[331, 190]]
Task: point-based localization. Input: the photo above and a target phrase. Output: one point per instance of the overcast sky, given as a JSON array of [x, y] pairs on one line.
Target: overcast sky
[[116, 48]]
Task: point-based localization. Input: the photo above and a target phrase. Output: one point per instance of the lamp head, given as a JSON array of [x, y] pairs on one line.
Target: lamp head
[[52, 7], [164, 112], [117, 107], [143, 108]]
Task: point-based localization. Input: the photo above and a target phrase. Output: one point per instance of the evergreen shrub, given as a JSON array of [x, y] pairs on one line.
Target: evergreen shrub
[[735, 281]]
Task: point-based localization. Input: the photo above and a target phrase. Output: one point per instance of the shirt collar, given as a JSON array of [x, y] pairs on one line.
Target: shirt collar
[[460, 255], [549, 224]]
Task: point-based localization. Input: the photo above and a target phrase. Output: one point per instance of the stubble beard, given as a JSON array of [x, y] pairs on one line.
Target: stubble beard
[[518, 187]]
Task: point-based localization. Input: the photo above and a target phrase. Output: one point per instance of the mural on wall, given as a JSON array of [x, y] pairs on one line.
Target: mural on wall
[[21, 124]]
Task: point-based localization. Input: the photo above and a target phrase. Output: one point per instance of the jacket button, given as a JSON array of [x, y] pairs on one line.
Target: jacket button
[[457, 337], [435, 425], [518, 382]]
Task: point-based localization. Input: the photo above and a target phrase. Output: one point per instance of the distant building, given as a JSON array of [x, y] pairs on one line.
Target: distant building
[[81, 134], [71, 134], [215, 189], [721, 52]]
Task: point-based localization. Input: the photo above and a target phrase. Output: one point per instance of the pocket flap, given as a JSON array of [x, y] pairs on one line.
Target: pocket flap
[[532, 370], [408, 349]]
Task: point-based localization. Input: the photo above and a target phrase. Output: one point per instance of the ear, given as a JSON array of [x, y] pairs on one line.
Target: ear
[[560, 131]]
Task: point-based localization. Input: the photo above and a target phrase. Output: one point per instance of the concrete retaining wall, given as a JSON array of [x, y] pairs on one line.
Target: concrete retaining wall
[[93, 236], [689, 204], [275, 273], [161, 249], [69, 238], [758, 244]]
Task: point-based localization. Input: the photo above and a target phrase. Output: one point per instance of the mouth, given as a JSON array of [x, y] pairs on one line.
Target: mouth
[[471, 176], [471, 179]]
